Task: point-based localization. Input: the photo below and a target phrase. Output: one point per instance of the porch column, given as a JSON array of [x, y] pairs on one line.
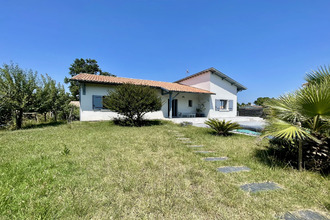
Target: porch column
[[170, 105]]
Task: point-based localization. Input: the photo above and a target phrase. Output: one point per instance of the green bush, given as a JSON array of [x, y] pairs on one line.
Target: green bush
[[316, 156], [133, 102], [222, 127]]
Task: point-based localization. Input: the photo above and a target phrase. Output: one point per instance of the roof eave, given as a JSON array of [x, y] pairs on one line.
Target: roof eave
[[113, 83], [239, 86]]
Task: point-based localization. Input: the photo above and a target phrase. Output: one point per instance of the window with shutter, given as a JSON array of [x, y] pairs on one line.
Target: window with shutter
[[231, 105], [217, 105], [97, 102], [221, 105]]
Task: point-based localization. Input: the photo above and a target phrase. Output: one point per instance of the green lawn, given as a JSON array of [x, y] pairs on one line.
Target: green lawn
[[114, 172]]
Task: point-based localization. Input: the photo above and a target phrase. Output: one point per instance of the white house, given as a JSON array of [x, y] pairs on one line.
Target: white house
[[208, 93]]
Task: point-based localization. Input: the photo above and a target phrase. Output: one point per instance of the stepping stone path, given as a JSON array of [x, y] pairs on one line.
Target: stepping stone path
[[303, 215], [232, 169], [215, 158], [253, 187], [204, 152], [196, 146], [256, 187]]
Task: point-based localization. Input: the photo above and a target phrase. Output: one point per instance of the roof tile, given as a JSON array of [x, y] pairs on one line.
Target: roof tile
[[174, 87]]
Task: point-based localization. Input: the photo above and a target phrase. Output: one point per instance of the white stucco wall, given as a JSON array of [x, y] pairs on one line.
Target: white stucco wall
[[223, 90], [202, 81], [87, 113]]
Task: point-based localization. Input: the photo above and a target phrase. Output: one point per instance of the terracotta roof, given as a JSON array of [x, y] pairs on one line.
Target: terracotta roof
[[174, 87], [239, 86]]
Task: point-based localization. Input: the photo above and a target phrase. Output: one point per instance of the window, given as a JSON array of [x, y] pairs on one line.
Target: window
[[220, 104], [190, 103], [224, 105], [98, 102]]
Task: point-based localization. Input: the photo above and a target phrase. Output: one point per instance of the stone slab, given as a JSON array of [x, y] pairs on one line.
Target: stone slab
[[304, 215], [232, 169], [215, 158], [196, 146], [179, 135], [183, 139], [256, 187], [204, 152]]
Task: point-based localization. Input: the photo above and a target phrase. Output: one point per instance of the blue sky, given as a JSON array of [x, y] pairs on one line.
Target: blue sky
[[266, 45]]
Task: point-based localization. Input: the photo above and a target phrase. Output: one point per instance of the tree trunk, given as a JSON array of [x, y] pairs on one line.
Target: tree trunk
[[19, 118], [300, 154], [45, 116]]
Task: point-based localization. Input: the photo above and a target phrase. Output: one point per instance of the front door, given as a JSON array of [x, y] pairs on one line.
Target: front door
[[174, 107]]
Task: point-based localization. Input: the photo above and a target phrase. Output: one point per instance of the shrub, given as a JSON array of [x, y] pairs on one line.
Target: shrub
[[133, 102], [316, 156], [222, 127]]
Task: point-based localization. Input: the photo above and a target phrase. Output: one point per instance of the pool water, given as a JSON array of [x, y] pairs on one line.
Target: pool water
[[248, 132]]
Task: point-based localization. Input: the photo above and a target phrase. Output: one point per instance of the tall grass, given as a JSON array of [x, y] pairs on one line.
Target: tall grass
[[113, 172]]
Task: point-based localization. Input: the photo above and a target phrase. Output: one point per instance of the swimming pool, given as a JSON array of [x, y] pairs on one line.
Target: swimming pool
[[247, 132]]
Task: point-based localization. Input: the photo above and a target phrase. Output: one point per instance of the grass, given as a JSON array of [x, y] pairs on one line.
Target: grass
[[98, 170]]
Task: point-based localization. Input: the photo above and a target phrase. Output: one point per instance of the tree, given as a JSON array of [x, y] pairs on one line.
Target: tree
[[58, 97], [43, 102], [133, 102], [302, 115], [262, 100], [5, 112], [51, 97], [81, 65], [18, 89]]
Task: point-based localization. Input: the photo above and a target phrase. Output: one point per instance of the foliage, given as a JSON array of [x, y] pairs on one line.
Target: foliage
[[222, 127], [81, 65], [19, 90], [133, 102], [65, 151], [315, 156], [128, 123], [69, 112], [261, 101], [51, 97], [318, 76], [5, 112], [23, 92], [302, 116]]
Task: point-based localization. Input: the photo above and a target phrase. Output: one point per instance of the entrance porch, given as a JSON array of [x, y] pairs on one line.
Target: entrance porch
[[185, 105]]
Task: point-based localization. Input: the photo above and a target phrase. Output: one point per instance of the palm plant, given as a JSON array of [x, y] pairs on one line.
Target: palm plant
[[318, 76], [222, 127], [301, 115]]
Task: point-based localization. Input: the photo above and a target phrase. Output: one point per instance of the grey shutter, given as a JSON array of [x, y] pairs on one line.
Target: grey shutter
[[231, 105], [217, 105], [97, 102]]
